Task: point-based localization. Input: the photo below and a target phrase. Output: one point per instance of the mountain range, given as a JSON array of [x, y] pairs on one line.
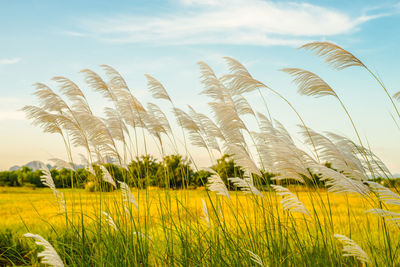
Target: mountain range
[[36, 165]]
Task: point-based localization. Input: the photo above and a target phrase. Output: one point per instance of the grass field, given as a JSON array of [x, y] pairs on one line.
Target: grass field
[[245, 219], [26, 207], [299, 202]]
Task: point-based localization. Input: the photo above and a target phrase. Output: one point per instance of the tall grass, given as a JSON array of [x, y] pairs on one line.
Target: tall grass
[[263, 228]]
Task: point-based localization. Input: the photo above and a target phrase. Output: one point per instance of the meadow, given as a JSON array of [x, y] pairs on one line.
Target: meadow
[[242, 217], [317, 203]]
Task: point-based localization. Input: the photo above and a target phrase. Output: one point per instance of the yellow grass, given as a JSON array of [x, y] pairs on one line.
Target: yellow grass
[[36, 209]]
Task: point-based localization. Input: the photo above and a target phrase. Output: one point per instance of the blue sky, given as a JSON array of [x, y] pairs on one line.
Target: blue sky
[[43, 39]]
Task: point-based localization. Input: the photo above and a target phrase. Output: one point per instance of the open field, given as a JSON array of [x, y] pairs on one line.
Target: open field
[[271, 199], [25, 207], [178, 214]]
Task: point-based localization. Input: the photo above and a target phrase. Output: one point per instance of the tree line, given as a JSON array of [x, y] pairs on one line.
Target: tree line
[[173, 171]]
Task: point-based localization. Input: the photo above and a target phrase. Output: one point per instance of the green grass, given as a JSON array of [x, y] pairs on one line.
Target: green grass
[[170, 228], [178, 236]]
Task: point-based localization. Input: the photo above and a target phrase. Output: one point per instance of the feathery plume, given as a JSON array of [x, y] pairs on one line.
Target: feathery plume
[[206, 216], [334, 55], [205, 136], [115, 124], [229, 122], [289, 162], [336, 182], [185, 120], [236, 67], [243, 159], [194, 129], [69, 88], [309, 83], [127, 211], [40, 117], [384, 194], [99, 135], [255, 258], [62, 164], [289, 200], [242, 106], [116, 80], [342, 157], [49, 254], [127, 194], [351, 249], [90, 169], [98, 84], [50, 100], [107, 176], [245, 185], [110, 220], [157, 121], [215, 184], [74, 93], [156, 88], [397, 96], [282, 133], [240, 80], [210, 127], [88, 166], [213, 86], [47, 180], [390, 216]]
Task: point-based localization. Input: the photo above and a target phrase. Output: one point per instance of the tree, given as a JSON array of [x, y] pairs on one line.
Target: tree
[[175, 172], [227, 168]]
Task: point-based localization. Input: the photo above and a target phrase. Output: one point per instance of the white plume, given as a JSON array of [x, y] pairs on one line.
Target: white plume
[[107, 176], [49, 254], [110, 220], [206, 216], [255, 258], [47, 180], [351, 249], [390, 216], [245, 185], [127, 194], [384, 194], [60, 164], [289, 200], [215, 184]]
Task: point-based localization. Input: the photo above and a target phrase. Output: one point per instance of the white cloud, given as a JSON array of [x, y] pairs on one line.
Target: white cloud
[[227, 22], [72, 33], [9, 61]]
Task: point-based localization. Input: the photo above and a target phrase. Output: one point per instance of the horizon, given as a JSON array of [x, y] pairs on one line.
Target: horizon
[[167, 39]]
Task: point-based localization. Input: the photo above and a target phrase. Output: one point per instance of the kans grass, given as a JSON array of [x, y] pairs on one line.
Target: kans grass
[[351, 222]]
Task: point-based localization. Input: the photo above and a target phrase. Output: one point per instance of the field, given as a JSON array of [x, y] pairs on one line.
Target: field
[[316, 199], [178, 214], [25, 208]]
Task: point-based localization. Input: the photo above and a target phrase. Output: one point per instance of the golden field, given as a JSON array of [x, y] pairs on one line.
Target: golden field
[[36, 210]]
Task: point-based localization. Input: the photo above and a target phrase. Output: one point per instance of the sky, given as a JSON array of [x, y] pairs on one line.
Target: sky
[[166, 39]]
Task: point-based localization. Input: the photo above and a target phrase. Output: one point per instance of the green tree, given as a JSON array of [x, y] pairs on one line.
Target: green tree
[[227, 168], [175, 172]]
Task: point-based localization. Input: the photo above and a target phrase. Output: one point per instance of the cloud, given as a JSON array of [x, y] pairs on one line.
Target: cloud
[[9, 61], [73, 33], [251, 22]]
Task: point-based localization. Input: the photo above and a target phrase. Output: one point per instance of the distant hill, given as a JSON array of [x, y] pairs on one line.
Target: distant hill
[[15, 168], [35, 165]]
